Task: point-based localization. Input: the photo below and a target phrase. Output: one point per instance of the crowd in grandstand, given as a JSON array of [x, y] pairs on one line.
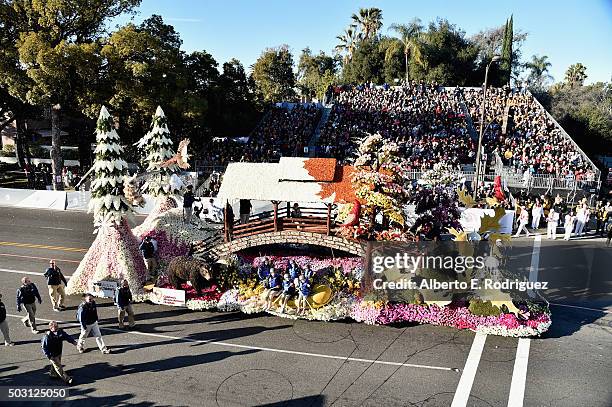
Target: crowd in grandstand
[[530, 141], [282, 132], [425, 120]]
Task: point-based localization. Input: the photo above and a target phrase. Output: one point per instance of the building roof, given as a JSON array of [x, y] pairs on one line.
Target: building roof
[[292, 179]]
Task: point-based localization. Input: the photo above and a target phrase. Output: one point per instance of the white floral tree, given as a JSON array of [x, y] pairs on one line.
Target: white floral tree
[[157, 148], [114, 253], [108, 201]]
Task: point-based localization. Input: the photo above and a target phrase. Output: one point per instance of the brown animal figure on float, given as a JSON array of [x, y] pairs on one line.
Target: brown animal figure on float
[[184, 268]]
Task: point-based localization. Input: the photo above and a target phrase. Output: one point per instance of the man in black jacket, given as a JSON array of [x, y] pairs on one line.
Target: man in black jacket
[[55, 278], [4, 328], [188, 200], [87, 314], [52, 344], [123, 299], [148, 248], [27, 295]]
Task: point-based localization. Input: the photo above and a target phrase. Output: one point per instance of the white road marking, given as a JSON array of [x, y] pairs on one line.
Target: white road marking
[[585, 308], [52, 227], [535, 263], [462, 394], [519, 374], [235, 345], [32, 273]]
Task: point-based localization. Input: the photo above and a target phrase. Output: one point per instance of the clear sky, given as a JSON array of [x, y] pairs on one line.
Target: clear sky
[[567, 31]]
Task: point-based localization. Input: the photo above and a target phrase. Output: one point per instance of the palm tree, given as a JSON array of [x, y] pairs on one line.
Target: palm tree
[[348, 42], [539, 70], [575, 75], [369, 20], [410, 40]]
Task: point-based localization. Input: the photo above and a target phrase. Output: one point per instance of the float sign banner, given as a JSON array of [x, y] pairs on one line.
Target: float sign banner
[[168, 296], [103, 289]]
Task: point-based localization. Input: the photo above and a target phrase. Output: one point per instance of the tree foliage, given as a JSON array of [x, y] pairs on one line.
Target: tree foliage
[[575, 75], [369, 21], [273, 75], [315, 73], [538, 73], [505, 65]]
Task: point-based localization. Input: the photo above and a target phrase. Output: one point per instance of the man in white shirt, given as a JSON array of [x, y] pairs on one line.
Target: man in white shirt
[[553, 221], [523, 220]]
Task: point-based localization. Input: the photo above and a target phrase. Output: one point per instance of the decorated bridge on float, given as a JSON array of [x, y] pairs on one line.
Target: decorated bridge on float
[[301, 193]]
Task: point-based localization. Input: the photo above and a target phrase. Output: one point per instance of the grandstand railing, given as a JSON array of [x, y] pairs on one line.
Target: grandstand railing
[[535, 181]]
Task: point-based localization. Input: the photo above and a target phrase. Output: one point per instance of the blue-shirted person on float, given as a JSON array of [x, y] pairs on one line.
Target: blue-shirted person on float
[[273, 286]]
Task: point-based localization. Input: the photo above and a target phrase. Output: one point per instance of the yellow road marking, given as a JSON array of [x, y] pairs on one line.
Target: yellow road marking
[[41, 246], [39, 258]]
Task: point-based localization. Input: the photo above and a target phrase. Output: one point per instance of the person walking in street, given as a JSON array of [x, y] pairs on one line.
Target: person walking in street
[[87, 315], [55, 279], [27, 295], [148, 248], [536, 213], [568, 225], [52, 344], [188, 200], [523, 221], [552, 222], [123, 299], [4, 328]]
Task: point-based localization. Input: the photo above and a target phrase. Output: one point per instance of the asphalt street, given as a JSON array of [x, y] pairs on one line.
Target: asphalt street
[[179, 357]]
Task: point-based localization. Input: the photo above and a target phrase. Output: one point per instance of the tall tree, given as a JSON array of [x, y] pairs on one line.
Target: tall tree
[[273, 75], [57, 51], [144, 68], [348, 43], [315, 73], [448, 57], [369, 21], [506, 56], [234, 106], [490, 42], [538, 72], [409, 38], [367, 64], [575, 75]]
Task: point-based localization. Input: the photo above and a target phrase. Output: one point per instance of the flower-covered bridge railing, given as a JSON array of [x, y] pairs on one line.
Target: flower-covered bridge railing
[[314, 220]]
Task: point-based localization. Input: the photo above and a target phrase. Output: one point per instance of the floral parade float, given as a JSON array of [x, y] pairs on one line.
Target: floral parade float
[[375, 184], [319, 218], [114, 254]]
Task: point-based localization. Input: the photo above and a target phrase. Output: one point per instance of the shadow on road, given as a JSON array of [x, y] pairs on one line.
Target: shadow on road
[[569, 321], [308, 401]]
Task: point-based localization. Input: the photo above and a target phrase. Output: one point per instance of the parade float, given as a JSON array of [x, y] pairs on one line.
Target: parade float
[[313, 215], [321, 216]]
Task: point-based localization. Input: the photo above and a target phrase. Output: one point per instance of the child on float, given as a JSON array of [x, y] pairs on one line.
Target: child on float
[[293, 269], [308, 273], [263, 271], [273, 286], [303, 294], [288, 291]]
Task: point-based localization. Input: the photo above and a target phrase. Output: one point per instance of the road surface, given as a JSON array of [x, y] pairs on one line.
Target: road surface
[[179, 357]]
